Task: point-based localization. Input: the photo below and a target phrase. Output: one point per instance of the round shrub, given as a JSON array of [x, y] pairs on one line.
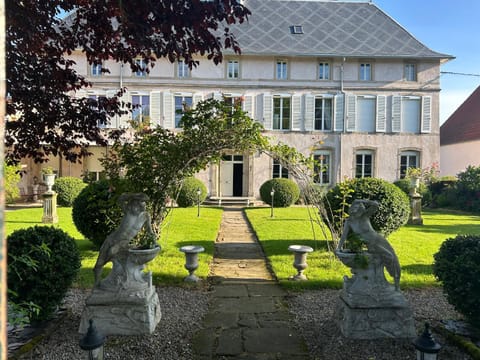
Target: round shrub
[[287, 192], [394, 205], [187, 195], [312, 194], [95, 212], [67, 189], [457, 267], [42, 264]]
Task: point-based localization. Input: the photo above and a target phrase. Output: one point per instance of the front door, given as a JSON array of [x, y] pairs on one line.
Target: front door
[[231, 175]]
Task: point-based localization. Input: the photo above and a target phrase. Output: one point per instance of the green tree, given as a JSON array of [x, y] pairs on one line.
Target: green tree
[[12, 177]]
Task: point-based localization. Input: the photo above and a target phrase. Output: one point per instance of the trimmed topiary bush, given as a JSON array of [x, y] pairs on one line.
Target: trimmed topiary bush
[[394, 204], [457, 267], [287, 192], [187, 195], [95, 211], [67, 189], [42, 264]]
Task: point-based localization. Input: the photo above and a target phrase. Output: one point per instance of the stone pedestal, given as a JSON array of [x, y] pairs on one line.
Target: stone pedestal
[[415, 209], [125, 302], [50, 208], [369, 307]]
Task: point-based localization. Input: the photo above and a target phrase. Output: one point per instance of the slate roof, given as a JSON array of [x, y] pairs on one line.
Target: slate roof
[[464, 124], [331, 28]]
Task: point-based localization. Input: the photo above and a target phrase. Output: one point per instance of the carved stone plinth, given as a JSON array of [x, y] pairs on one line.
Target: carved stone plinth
[[415, 209], [369, 307], [125, 302], [50, 208]]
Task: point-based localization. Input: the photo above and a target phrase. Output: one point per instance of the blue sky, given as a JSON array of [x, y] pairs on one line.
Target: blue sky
[[450, 27]]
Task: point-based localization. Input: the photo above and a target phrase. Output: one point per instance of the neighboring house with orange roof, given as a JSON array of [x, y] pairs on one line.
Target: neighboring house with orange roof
[[460, 137]]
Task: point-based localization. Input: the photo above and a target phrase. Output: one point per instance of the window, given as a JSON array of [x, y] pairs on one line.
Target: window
[[232, 101], [95, 99], [323, 113], [324, 71], [363, 164], [183, 71], [296, 29], [96, 69], [365, 72], [278, 170], [410, 72], [233, 67], [142, 70], [141, 108], [322, 168], [366, 106], [281, 113], [411, 114], [408, 159], [281, 70], [181, 104]]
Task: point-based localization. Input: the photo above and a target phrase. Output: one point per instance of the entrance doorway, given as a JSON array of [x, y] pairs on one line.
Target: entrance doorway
[[231, 175]]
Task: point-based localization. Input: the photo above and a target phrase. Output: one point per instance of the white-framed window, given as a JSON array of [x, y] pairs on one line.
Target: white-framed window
[[94, 105], [281, 72], [410, 72], [182, 69], [324, 71], [96, 69], [364, 164], [323, 113], [365, 72], [323, 167], [142, 68], [366, 113], [411, 116], [182, 103], [279, 171], [408, 159], [141, 108], [233, 69], [282, 112]]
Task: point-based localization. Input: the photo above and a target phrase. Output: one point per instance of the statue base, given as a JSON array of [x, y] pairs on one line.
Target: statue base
[[122, 313]]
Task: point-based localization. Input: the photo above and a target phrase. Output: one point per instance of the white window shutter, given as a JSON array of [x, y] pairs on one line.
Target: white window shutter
[[247, 105], [125, 118], [155, 107], [426, 114], [197, 97], [215, 95], [351, 112], [296, 113], [309, 105], [339, 114], [396, 113], [267, 111], [168, 110], [381, 115], [113, 122]]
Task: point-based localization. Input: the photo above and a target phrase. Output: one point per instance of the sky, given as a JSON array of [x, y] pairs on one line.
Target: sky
[[450, 27]]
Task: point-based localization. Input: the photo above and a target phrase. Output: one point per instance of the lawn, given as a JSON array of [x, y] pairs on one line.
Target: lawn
[[414, 245], [181, 227]]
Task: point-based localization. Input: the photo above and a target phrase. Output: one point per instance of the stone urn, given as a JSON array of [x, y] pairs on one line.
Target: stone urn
[[191, 261], [49, 180], [300, 260]]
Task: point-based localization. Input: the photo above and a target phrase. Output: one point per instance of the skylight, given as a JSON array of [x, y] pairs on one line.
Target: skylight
[[296, 29]]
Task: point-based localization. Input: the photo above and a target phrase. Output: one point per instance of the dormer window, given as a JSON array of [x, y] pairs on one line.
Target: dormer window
[[296, 29]]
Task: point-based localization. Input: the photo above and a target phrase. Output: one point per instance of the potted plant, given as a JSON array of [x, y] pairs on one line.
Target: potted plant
[[414, 174], [48, 177], [144, 248]]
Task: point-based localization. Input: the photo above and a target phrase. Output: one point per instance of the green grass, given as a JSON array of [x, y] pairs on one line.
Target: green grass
[[414, 245], [181, 227]]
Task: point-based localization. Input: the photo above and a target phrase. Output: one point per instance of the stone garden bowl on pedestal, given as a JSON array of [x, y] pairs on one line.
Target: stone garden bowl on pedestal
[[142, 256]]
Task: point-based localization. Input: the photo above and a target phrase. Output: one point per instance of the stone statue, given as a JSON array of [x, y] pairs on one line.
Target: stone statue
[[358, 222], [369, 307], [135, 217]]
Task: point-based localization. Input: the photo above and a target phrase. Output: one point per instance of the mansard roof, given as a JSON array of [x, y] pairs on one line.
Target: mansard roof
[[330, 29], [464, 124]]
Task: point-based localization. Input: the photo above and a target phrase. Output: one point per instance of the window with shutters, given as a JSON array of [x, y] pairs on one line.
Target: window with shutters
[[142, 68], [365, 117], [182, 69], [182, 103], [233, 102], [410, 72], [141, 108], [408, 159], [281, 113], [323, 113], [411, 114], [96, 69], [94, 99], [322, 167], [279, 171], [364, 163], [365, 72], [324, 71], [281, 70], [233, 69]]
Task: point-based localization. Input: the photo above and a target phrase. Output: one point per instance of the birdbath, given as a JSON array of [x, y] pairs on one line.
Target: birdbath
[[300, 262], [191, 264]]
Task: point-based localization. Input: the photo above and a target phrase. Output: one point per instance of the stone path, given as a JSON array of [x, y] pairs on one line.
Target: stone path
[[248, 317]]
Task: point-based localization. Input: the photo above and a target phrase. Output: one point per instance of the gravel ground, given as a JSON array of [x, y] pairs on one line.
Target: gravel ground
[[183, 309]]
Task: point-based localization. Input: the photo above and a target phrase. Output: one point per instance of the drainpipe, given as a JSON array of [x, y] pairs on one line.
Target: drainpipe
[[339, 173]]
